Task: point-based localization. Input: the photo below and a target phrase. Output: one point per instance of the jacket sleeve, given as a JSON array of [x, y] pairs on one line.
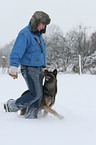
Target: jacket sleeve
[[18, 50]]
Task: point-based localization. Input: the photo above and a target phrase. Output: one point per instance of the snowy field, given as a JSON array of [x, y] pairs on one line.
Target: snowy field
[[75, 100]]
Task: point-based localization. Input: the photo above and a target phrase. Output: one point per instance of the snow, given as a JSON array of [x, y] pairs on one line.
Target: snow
[[75, 100]]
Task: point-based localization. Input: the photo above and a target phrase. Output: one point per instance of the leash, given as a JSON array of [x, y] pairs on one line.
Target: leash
[[39, 42]]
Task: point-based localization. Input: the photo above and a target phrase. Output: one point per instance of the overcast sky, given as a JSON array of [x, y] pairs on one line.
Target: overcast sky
[[15, 14]]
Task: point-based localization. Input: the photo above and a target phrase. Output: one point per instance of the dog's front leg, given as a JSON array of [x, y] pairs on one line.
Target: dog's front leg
[[45, 113]]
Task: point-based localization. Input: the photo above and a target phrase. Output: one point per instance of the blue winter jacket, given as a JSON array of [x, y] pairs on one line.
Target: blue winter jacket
[[27, 51]]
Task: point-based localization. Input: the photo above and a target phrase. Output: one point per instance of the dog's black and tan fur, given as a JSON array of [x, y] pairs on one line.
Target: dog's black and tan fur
[[49, 93]]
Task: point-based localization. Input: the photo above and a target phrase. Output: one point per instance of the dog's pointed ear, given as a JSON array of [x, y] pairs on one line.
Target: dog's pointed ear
[[55, 72], [45, 71]]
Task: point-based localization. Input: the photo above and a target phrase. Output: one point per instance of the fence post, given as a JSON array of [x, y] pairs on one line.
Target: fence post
[[80, 65]]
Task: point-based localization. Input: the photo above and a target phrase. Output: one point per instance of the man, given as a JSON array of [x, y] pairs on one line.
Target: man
[[29, 51]]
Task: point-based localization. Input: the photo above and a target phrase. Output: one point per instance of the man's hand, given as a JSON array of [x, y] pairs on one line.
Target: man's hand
[[13, 72]]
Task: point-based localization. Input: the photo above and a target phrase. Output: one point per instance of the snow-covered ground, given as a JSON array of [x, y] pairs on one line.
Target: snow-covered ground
[[75, 100]]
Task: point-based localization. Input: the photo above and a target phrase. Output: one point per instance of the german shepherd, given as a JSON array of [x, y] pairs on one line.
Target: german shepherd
[[49, 93]]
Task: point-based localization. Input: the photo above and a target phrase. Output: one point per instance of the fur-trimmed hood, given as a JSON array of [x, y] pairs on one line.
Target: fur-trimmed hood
[[39, 17]]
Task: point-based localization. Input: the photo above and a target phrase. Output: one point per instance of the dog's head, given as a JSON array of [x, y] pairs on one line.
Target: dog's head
[[50, 75]]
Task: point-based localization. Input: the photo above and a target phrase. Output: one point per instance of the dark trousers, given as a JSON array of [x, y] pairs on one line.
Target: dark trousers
[[31, 100]]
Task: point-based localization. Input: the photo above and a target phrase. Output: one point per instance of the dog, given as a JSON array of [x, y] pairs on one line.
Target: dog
[[49, 94]]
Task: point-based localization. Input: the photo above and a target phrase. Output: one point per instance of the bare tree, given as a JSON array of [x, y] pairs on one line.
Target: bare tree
[[77, 41]]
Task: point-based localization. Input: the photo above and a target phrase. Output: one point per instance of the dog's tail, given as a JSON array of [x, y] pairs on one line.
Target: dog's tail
[[48, 109]]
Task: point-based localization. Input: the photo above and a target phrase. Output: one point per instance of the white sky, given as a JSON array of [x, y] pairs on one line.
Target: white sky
[[15, 14]]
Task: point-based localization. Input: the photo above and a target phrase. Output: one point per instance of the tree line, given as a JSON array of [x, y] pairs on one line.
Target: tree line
[[63, 51]]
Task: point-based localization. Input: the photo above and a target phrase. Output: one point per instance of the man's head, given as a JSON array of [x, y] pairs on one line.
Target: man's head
[[39, 21], [40, 27]]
